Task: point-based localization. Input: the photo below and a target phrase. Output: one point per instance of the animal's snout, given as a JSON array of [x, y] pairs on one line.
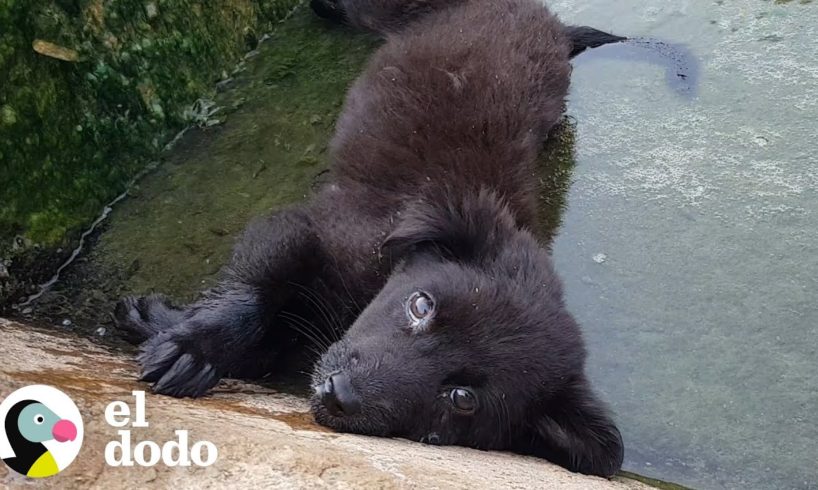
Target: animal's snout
[[338, 396]]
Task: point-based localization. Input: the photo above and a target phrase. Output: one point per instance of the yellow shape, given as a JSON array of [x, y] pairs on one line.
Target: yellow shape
[[44, 466]]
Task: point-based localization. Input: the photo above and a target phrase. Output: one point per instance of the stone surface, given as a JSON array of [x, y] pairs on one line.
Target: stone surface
[[265, 439]]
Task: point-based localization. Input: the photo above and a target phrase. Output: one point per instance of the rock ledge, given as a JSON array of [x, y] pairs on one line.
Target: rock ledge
[[265, 439]]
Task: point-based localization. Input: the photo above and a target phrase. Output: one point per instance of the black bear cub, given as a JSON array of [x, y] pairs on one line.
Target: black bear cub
[[417, 258]]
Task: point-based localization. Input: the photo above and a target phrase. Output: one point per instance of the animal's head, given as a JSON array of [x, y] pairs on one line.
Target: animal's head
[[468, 343], [37, 423]]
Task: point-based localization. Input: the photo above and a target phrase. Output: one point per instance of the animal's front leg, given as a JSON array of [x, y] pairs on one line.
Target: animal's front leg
[[189, 349]]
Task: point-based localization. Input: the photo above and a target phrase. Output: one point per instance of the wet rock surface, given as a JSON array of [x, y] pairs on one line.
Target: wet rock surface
[[265, 438]]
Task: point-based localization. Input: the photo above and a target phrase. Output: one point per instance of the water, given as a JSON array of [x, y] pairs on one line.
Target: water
[[687, 246], [701, 318]]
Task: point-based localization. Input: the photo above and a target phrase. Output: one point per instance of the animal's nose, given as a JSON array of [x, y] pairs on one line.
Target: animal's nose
[[338, 396]]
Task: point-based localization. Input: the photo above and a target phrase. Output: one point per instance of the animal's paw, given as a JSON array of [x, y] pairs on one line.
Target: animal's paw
[[142, 318], [175, 363], [329, 9], [173, 356]]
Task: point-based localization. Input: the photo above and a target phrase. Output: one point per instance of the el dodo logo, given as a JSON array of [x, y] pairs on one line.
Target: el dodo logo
[[148, 453], [41, 431]]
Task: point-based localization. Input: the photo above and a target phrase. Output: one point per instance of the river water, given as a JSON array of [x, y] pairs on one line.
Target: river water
[[689, 244]]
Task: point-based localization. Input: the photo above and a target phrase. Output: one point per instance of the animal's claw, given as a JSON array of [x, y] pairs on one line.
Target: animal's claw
[[188, 377], [176, 371], [183, 351], [156, 356]]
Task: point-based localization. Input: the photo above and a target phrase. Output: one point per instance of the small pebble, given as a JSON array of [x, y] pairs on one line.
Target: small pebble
[[100, 331], [149, 475], [27, 311], [66, 323], [600, 258]]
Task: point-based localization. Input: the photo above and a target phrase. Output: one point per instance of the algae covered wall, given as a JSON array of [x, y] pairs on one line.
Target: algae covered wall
[[90, 90]]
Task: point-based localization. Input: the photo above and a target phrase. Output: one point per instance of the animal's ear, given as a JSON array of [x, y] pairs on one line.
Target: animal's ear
[[577, 432], [467, 229]]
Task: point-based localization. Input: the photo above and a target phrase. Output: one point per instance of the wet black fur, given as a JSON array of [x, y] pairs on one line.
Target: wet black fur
[[432, 190]]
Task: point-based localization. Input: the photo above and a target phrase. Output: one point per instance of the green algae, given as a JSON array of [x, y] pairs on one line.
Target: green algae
[[182, 223], [178, 224], [554, 167], [73, 133]]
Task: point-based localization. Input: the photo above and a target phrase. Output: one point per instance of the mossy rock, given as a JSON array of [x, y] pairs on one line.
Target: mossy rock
[[92, 90]]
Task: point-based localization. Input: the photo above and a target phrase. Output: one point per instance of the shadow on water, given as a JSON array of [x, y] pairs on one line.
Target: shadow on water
[[682, 68]]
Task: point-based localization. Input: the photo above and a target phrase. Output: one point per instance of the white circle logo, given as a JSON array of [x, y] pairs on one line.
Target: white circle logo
[[40, 431]]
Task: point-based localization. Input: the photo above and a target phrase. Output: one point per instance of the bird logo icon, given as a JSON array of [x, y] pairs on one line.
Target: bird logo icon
[[41, 431]]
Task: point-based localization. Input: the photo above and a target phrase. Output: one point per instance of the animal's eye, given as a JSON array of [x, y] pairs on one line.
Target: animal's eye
[[420, 307], [39, 419], [463, 400]]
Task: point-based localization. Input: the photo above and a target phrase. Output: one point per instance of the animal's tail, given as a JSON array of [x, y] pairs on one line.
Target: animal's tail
[[583, 37], [681, 66]]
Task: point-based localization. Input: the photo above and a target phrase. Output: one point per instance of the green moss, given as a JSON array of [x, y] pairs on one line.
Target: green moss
[[555, 166], [177, 227], [73, 133], [183, 222]]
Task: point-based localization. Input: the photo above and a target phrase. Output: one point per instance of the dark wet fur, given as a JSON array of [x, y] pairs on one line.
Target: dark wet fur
[[432, 190]]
